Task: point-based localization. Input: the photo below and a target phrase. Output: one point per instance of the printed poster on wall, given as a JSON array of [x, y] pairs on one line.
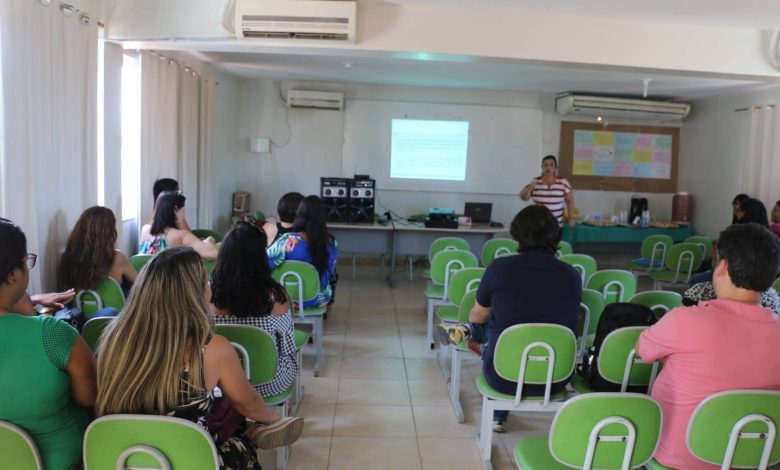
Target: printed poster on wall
[[625, 154]]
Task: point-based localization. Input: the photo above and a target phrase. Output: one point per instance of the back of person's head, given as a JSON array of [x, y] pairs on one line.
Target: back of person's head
[[13, 248], [753, 212], [163, 326], [164, 184], [535, 228], [165, 213], [753, 255], [739, 198], [241, 281], [311, 218], [736, 205], [89, 252], [288, 206]]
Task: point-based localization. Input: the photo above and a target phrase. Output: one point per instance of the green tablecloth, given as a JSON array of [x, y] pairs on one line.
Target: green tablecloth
[[589, 234]]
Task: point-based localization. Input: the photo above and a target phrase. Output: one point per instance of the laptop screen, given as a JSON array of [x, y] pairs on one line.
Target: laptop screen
[[479, 212]]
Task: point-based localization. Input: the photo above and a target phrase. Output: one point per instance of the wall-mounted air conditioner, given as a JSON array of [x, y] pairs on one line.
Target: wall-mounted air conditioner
[[620, 108], [299, 19], [315, 99]]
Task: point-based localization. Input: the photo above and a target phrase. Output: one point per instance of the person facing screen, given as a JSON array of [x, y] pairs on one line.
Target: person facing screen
[[551, 191]]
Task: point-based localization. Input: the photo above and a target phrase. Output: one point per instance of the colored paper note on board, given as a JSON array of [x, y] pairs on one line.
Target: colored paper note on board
[[602, 168], [663, 142], [643, 170], [643, 140], [624, 140], [583, 167], [584, 138], [603, 153], [604, 139], [662, 156], [643, 155], [583, 153], [625, 169], [624, 154], [662, 171]]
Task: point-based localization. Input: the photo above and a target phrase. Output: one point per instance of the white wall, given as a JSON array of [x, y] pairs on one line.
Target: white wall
[[316, 141], [713, 143]]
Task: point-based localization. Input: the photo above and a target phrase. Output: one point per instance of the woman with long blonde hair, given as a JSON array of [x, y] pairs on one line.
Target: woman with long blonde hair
[[160, 357]]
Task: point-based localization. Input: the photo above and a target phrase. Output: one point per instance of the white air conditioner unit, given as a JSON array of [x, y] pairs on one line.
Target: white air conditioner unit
[[296, 19], [315, 99], [620, 108]]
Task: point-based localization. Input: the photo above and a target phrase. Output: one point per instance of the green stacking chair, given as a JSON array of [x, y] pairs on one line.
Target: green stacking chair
[[659, 301], [301, 338], [619, 363], [441, 244], [531, 353], [17, 449], [776, 284], [584, 264], [496, 247], [616, 285], [564, 248], [138, 261], [445, 263], [210, 264], [92, 330], [735, 429], [682, 260], [704, 242], [466, 304], [303, 284], [591, 307], [204, 233], [107, 293], [146, 441], [597, 431], [652, 254], [259, 358]]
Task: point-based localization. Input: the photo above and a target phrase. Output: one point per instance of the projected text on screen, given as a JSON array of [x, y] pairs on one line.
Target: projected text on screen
[[434, 150]]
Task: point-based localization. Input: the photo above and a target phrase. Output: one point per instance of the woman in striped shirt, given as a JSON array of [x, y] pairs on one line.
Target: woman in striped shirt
[[550, 191]]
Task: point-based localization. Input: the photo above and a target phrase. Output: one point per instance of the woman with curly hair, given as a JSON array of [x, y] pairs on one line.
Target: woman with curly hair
[[244, 293], [91, 254]]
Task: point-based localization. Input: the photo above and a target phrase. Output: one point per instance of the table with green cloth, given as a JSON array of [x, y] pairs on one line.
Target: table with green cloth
[[582, 233]]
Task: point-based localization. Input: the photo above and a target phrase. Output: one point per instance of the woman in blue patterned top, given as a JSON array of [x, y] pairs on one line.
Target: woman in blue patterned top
[[311, 243], [244, 293]]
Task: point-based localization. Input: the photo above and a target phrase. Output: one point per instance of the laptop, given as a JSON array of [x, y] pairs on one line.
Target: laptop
[[479, 212]]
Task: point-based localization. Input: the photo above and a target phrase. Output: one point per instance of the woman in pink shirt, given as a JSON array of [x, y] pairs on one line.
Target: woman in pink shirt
[[724, 344]]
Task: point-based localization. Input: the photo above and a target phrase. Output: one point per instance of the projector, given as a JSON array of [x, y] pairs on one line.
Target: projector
[[441, 218]]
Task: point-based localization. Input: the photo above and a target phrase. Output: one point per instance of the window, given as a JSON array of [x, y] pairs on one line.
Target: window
[[131, 135]]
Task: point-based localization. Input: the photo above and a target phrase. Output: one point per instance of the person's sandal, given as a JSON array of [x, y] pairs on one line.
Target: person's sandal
[[451, 334], [281, 433]]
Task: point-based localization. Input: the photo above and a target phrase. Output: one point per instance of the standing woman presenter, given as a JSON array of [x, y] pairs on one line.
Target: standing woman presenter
[[551, 191]]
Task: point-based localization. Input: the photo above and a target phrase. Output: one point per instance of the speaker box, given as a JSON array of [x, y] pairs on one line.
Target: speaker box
[[361, 200], [335, 196]]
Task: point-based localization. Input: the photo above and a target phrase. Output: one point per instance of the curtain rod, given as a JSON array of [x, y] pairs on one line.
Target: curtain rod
[[69, 10], [172, 61], [755, 108]]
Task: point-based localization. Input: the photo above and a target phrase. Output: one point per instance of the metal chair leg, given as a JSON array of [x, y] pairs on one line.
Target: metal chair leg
[[317, 330]]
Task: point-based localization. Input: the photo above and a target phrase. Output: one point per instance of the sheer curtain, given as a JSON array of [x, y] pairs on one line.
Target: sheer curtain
[[49, 79], [760, 172]]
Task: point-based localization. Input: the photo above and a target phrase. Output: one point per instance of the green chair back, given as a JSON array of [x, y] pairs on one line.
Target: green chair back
[[17, 449], [447, 243], [92, 330], [704, 242], [462, 281], [497, 247], [738, 427], [148, 442], [616, 285], [618, 362], [466, 304], [684, 259], [776, 284], [606, 431], [204, 233], [584, 264], [524, 354], [300, 279], [593, 304], [655, 247], [445, 262], [659, 301], [209, 264], [258, 353], [260, 216], [564, 248], [107, 293], [138, 261]]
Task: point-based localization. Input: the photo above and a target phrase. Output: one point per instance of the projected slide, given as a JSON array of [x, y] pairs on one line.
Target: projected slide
[[431, 150]]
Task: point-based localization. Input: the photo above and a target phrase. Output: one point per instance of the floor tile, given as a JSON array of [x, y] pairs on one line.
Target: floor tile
[[372, 368], [375, 421], [440, 421], [319, 390], [374, 453], [373, 392], [317, 418], [309, 453], [449, 453], [430, 392]]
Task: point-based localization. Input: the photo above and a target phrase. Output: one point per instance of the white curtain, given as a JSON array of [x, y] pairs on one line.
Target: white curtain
[[49, 163], [760, 168], [188, 143], [206, 150]]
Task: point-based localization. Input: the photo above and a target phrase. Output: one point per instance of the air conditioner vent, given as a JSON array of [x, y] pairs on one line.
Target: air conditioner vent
[[622, 108], [300, 19]]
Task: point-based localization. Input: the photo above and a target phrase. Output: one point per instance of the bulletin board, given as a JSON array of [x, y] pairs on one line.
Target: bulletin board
[[619, 158]]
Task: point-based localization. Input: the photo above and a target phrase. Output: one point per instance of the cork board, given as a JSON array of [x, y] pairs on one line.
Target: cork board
[[619, 157]]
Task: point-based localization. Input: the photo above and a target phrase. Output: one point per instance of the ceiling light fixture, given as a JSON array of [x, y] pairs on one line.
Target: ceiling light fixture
[[598, 118], [348, 65]]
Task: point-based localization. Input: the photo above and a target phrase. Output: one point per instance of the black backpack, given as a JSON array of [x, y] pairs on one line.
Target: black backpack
[[616, 315]]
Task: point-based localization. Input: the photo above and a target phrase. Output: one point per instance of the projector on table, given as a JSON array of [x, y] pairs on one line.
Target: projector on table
[[441, 218]]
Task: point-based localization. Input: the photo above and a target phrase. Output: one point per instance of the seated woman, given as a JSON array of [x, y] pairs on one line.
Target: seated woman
[[775, 219], [47, 373], [168, 230], [159, 357], [244, 293], [91, 254], [286, 209], [309, 242]]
